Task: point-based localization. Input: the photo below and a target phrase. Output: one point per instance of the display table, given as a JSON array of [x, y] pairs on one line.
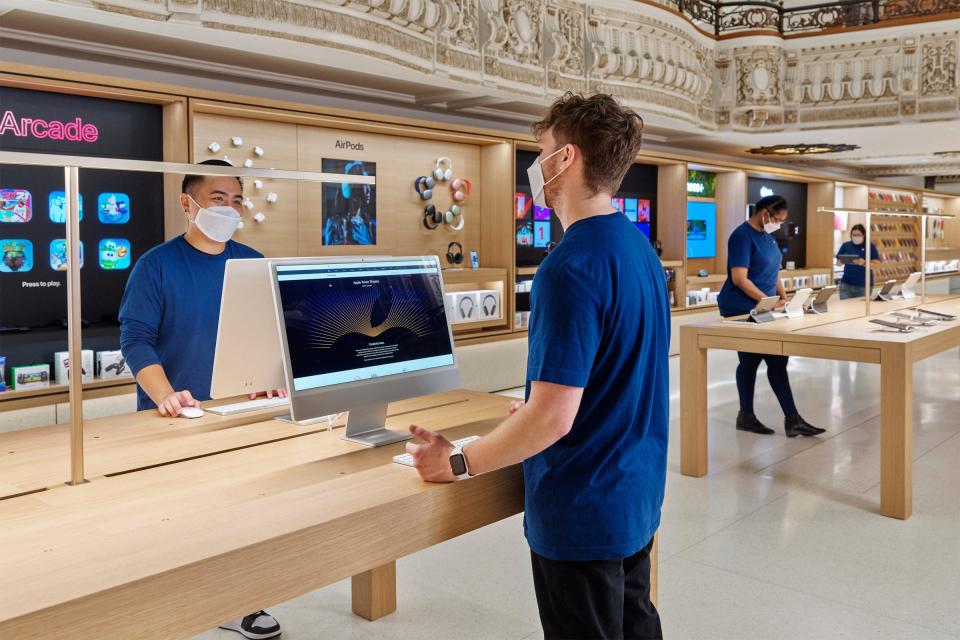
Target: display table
[[213, 534], [842, 334]]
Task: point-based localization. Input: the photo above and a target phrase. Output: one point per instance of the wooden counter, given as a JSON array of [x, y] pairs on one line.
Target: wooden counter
[[842, 334]]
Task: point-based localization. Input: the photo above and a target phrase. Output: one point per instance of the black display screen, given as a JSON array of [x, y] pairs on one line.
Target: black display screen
[[791, 237], [122, 214]]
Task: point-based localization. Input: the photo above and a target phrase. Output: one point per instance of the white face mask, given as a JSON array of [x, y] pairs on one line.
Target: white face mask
[[537, 184], [772, 226], [217, 223], [857, 239]]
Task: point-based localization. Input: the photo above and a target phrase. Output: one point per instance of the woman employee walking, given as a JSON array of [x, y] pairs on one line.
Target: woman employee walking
[[853, 283], [753, 273]]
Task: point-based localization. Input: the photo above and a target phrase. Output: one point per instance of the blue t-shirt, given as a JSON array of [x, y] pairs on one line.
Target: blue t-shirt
[[170, 312], [759, 253], [855, 274], [600, 320]]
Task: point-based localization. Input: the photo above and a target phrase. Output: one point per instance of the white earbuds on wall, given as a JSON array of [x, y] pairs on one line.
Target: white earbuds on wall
[[248, 163], [214, 147], [258, 184], [258, 151], [259, 217], [236, 141], [271, 197]]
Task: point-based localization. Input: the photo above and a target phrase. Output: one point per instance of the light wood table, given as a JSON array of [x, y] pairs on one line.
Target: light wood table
[[842, 334], [221, 532]]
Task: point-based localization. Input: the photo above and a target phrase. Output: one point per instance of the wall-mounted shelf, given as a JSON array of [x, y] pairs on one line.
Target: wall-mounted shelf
[[56, 393]]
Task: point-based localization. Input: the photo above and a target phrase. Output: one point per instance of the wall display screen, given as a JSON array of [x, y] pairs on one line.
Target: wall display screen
[[537, 227], [701, 184], [790, 238], [349, 210], [701, 230], [121, 211]]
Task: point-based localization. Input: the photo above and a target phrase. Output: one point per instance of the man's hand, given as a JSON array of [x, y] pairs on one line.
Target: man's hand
[[781, 303], [172, 404], [272, 393], [432, 460], [860, 262], [515, 406]]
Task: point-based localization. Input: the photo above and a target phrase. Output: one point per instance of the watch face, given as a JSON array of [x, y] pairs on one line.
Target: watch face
[[458, 464]]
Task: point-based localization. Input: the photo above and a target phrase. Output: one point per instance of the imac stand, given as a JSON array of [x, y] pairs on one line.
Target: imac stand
[[365, 425]]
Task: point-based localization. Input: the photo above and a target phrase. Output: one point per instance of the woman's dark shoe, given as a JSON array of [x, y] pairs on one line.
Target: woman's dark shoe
[[796, 426], [749, 422]]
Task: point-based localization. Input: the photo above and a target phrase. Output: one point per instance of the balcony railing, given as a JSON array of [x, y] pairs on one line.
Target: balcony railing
[[725, 18]]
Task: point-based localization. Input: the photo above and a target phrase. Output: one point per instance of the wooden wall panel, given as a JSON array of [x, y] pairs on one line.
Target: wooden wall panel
[[731, 211], [399, 208], [672, 210], [176, 148], [819, 225]]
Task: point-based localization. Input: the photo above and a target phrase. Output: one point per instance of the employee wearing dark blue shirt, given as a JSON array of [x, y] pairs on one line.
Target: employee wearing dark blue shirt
[[170, 312], [592, 434], [853, 283], [753, 273]]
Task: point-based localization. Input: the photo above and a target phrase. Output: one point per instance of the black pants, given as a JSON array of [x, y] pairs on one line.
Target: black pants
[[776, 374], [596, 599]]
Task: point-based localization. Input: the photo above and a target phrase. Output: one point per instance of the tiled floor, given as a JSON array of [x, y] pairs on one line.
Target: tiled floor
[[781, 541]]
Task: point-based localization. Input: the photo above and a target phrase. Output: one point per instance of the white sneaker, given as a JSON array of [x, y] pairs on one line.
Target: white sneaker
[[256, 626]]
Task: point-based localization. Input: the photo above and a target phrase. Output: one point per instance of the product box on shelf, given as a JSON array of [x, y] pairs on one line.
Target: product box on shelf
[[466, 306], [35, 376], [489, 304], [112, 364], [3, 369], [61, 360], [450, 306]]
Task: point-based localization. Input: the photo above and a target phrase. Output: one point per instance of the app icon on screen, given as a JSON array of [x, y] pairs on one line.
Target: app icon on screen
[[524, 234], [617, 203], [521, 205], [541, 213], [541, 234], [16, 205], [630, 209], [58, 255], [114, 254], [113, 208], [644, 211], [58, 206], [17, 256]]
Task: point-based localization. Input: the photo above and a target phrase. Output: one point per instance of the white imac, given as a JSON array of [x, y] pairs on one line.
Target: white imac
[[247, 356], [357, 333]]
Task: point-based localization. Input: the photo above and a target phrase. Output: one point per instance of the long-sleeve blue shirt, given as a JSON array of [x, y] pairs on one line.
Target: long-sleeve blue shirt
[[170, 312]]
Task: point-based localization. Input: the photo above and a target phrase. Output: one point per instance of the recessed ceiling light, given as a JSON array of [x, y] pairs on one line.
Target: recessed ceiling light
[[802, 149]]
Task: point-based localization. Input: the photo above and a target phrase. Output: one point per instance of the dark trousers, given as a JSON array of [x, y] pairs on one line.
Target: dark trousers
[[776, 374], [596, 599]]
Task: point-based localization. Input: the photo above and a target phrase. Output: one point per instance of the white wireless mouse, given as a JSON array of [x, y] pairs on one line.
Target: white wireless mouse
[[191, 412]]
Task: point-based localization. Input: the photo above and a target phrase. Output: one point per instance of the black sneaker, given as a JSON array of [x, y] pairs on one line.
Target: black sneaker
[[749, 422], [256, 626], [796, 426]]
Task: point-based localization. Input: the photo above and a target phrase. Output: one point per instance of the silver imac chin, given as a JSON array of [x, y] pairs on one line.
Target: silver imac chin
[[247, 356], [348, 327]]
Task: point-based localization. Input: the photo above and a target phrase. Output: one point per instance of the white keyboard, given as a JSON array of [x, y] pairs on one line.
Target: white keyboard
[[407, 459], [249, 405]]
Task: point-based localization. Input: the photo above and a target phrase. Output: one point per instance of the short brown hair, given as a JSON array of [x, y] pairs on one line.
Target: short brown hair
[[608, 135]]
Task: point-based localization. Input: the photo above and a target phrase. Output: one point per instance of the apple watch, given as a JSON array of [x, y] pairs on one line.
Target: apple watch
[[458, 463]]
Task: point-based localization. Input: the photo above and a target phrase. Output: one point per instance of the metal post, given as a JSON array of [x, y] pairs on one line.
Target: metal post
[[867, 290], [923, 259], [74, 345]]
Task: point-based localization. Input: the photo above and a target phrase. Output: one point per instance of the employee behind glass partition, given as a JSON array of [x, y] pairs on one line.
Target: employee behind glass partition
[[171, 309], [853, 283], [753, 273]]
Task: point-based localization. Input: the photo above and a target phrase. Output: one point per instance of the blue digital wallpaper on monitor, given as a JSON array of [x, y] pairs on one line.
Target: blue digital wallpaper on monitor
[[701, 230]]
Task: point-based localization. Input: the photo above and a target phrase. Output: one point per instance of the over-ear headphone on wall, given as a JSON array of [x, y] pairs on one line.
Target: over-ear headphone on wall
[[453, 214], [424, 185], [469, 312], [492, 309], [432, 217], [444, 172], [455, 258], [461, 189]]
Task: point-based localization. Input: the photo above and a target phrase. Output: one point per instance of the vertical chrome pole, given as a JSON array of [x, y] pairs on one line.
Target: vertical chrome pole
[[923, 259], [74, 345], [868, 275]]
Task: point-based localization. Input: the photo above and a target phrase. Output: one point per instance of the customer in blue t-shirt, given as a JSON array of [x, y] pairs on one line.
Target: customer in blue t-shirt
[[853, 283], [592, 435], [171, 309], [753, 273]]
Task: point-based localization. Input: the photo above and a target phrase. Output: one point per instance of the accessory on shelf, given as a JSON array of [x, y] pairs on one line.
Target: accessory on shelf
[[455, 257], [432, 217], [443, 170], [489, 305], [466, 310], [462, 188], [424, 185]]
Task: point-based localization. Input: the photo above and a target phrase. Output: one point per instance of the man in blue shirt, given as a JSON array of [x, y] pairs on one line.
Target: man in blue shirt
[[592, 434], [170, 312]]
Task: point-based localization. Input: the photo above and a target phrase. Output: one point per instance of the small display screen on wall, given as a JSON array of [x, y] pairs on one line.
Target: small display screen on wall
[[701, 184], [121, 212], [790, 238], [349, 210], [701, 230]]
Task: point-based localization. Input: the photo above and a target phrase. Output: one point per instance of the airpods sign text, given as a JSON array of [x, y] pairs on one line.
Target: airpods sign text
[[75, 130]]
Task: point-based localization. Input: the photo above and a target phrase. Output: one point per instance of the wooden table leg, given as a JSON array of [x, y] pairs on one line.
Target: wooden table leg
[[655, 570], [693, 405], [896, 432], [375, 592]]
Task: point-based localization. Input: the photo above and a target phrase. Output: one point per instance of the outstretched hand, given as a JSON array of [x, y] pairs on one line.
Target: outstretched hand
[[431, 459]]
